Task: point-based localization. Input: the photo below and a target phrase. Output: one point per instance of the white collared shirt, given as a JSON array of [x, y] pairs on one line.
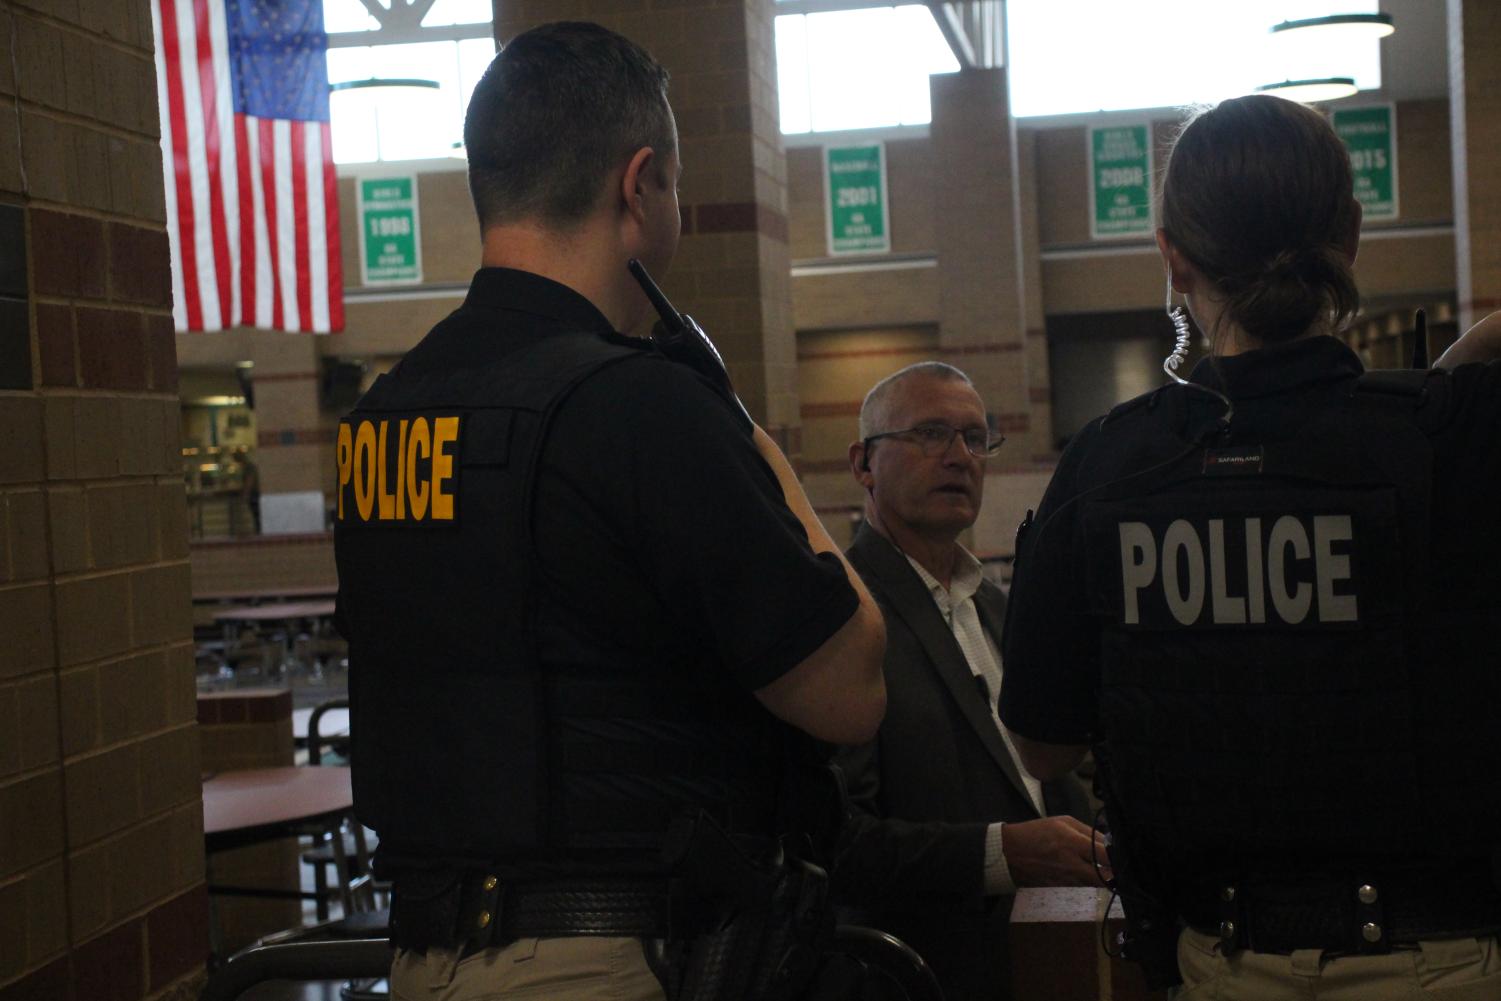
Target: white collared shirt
[[957, 605]]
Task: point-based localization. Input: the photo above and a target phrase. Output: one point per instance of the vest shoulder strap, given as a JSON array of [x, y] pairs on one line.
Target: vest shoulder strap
[[1401, 383]]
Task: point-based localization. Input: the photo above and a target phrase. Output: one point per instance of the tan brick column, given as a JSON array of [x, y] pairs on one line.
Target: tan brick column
[[294, 440], [982, 236], [732, 272], [1039, 401], [101, 845], [1475, 124]]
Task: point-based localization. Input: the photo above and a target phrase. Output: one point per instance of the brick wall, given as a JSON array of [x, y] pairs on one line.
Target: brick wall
[[250, 728], [731, 272], [101, 849], [226, 568]]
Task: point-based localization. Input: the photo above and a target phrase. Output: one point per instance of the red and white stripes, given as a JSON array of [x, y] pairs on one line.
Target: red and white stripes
[[252, 203]]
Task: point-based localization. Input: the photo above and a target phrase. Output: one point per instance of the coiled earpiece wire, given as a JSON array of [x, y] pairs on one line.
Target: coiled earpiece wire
[[1179, 316], [1182, 338]]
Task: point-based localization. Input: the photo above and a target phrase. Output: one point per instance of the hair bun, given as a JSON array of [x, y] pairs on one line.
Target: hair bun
[[1294, 262]]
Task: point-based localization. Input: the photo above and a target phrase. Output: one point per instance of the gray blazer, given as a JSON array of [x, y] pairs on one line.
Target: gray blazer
[[925, 790]]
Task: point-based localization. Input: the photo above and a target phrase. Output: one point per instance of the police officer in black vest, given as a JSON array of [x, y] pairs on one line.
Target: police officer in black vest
[[1268, 598], [593, 622]]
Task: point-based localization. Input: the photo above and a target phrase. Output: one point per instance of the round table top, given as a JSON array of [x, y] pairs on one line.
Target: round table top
[[258, 804], [280, 611]]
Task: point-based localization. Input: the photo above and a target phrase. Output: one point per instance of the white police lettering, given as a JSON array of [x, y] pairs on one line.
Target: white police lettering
[[1185, 605], [1272, 566]]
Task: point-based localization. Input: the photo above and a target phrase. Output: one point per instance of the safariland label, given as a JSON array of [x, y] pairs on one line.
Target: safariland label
[[399, 471], [1233, 461]]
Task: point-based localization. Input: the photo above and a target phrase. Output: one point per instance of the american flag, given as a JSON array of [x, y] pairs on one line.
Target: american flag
[[252, 198]]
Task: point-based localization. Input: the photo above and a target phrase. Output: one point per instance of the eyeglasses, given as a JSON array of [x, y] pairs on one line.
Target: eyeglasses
[[935, 439]]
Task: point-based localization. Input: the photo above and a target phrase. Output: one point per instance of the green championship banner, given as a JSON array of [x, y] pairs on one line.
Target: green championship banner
[[1120, 181], [1370, 134], [855, 189], [390, 238]]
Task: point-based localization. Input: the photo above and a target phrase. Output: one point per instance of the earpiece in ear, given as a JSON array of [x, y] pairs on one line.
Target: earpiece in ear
[[1180, 326]]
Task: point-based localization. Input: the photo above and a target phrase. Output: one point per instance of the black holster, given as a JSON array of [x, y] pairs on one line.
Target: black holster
[[773, 926], [1151, 936]]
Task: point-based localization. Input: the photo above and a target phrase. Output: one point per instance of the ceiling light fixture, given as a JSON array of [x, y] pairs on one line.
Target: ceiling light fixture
[[1346, 26], [1311, 91], [410, 95]]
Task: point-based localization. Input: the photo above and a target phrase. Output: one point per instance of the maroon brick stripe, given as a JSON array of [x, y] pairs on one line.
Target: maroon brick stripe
[[1040, 464], [955, 350], [734, 217], [1006, 423]]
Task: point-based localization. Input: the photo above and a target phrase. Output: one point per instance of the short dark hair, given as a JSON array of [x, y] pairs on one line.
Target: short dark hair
[[560, 107], [1259, 196]]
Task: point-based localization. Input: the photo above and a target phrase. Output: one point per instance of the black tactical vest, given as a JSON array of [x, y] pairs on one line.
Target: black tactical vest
[[466, 749], [1269, 701]]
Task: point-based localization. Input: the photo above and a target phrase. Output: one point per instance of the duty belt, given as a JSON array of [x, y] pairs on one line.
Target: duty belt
[[476, 911], [1351, 916]]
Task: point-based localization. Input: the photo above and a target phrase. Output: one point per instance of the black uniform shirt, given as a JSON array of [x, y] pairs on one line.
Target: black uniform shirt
[[663, 538], [1052, 648]]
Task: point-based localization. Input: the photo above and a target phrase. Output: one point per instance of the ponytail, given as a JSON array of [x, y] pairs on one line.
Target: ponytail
[[1259, 196]]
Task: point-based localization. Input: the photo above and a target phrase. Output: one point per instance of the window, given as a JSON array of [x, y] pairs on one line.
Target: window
[[405, 123], [1090, 55], [856, 69], [447, 42], [458, 12]]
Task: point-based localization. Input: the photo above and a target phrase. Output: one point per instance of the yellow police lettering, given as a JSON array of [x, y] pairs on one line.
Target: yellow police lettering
[[386, 501], [345, 453], [417, 490], [445, 432], [364, 469], [401, 481]]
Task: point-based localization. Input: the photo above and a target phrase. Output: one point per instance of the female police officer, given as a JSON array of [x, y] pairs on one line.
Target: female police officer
[[1267, 598]]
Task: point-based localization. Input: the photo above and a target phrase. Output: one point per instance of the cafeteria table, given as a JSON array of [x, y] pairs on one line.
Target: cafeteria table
[[284, 614], [256, 805]]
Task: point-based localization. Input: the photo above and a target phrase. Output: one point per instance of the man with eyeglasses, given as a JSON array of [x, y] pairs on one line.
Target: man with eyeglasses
[[946, 823]]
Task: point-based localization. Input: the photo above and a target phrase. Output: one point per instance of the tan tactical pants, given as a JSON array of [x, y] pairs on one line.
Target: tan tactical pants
[[583, 967], [1463, 969]]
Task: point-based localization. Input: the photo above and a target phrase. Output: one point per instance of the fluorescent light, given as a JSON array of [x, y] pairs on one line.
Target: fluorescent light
[[1342, 26], [1330, 88], [406, 95]]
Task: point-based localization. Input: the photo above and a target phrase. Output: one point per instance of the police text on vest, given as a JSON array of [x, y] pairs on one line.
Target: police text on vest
[[1191, 564]]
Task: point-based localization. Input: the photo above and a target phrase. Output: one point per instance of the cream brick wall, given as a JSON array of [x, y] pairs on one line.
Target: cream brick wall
[[101, 847], [731, 272]]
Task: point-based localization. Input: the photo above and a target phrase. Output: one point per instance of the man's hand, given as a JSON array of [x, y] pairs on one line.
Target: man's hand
[[1053, 851]]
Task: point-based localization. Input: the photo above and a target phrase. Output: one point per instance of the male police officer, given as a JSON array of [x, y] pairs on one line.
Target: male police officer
[[948, 825], [583, 599]]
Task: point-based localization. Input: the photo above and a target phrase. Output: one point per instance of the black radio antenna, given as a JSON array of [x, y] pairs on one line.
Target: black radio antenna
[[1420, 340]]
